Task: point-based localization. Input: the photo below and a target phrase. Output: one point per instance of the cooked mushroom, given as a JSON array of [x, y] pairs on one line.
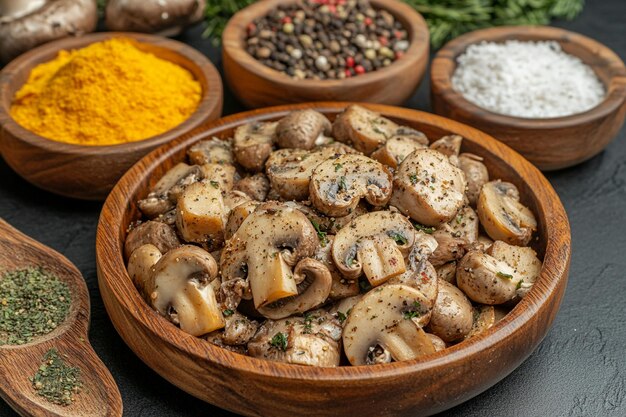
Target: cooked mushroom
[[341, 286], [428, 188], [255, 186], [180, 289], [503, 216], [252, 144], [523, 260], [452, 315], [265, 248], [338, 185], [464, 225], [379, 327], [438, 343], [233, 199], [140, 264], [447, 272], [310, 340], [483, 318], [237, 215], [374, 244], [221, 174], [363, 129], [397, 148], [166, 17], [201, 214], [476, 175], [25, 24], [238, 330], [314, 283], [450, 146], [301, 129], [156, 233], [343, 307], [326, 224], [485, 279], [290, 170], [211, 151], [449, 248]]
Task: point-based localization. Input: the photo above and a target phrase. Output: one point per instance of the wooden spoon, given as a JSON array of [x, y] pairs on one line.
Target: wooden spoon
[[99, 395]]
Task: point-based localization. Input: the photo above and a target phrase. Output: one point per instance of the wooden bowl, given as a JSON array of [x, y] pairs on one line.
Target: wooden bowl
[[255, 387], [548, 143], [257, 85], [89, 172]]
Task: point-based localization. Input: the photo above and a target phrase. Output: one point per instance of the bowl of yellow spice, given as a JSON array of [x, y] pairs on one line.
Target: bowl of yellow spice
[[76, 113]]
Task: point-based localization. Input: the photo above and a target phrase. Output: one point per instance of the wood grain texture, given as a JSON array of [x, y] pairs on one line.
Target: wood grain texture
[[89, 172], [255, 387], [100, 395], [548, 143], [257, 85]]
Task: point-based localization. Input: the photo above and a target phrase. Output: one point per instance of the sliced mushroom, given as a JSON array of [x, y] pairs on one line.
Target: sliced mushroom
[[523, 260], [140, 264], [483, 319], [252, 144], [447, 272], [233, 199], [211, 151], [449, 248], [485, 279], [238, 329], [313, 289], [264, 250], [326, 224], [428, 188], [363, 129], [180, 289], [290, 170], [450, 146], [237, 215], [379, 327], [452, 315], [343, 307], [301, 129], [166, 17], [255, 186], [374, 244], [312, 340], [221, 175], [397, 148], [341, 286], [338, 185], [165, 193], [156, 233], [476, 174], [25, 24], [503, 216], [201, 214], [438, 343]]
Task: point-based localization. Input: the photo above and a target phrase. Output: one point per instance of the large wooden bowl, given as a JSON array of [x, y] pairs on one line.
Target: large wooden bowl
[[255, 387], [548, 143], [89, 172], [257, 85]]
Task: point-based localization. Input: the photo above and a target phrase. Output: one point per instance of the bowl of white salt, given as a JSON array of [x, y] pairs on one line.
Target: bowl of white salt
[[556, 97]]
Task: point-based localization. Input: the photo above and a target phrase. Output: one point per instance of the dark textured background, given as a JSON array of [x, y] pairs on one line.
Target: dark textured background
[[578, 370]]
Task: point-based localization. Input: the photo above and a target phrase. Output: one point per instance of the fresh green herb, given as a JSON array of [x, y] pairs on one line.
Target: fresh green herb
[[338, 166], [308, 323], [342, 183], [279, 341], [320, 234], [398, 237], [33, 303], [215, 184], [55, 381], [503, 275], [413, 179], [410, 314], [228, 312], [425, 229], [342, 317], [519, 284]]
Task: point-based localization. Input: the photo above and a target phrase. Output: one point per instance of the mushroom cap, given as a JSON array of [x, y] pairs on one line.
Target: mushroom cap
[[476, 174], [383, 318], [483, 319], [253, 144], [338, 185], [341, 287], [428, 188], [256, 186], [151, 16], [450, 146], [269, 242], [503, 216], [375, 244], [156, 233], [363, 129], [300, 129], [485, 279], [523, 260], [452, 315], [140, 264], [180, 289], [397, 148]]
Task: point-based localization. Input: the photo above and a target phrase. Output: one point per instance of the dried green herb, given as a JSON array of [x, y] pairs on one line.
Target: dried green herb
[[504, 275], [279, 341], [33, 303], [228, 312], [399, 238], [56, 381], [342, 317], [320, 234], [425, 229]]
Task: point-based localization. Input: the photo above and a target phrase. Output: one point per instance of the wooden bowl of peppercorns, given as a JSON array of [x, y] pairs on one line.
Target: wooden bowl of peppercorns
[[288, 51]]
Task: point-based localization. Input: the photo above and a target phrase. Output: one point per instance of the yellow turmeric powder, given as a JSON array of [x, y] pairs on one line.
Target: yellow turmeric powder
[[107, 93]]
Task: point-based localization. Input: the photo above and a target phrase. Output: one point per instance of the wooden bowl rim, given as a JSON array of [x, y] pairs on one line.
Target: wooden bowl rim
[[233, 45], [109, 247], [209, 100], [441, 77]]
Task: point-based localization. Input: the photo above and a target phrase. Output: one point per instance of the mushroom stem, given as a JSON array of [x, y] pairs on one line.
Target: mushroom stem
[[197, 309], [272, 281], [381, 260], [405, 341]]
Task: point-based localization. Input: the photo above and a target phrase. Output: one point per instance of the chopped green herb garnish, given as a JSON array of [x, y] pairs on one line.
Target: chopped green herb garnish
[[320, 234], [425, 229], [413, 179], [215, 184], [408, 315], [503, 275], [308, 323], [338, 166], [519, 284], [342, 317], [279, 341], [55, 381], [342, 183], [228, 312], [398, 237]]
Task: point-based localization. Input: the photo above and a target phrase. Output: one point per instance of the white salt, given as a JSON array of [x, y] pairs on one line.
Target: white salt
[[526, 79]]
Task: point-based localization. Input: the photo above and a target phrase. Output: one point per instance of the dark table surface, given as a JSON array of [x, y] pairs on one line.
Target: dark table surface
[[578, 370]]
